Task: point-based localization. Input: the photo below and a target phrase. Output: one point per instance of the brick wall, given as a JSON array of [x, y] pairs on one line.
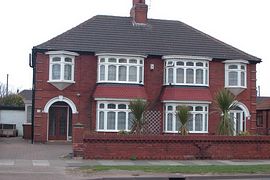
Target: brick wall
[[102, 146]]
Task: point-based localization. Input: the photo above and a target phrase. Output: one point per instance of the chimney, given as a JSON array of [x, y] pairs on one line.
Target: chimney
[[139, 11]]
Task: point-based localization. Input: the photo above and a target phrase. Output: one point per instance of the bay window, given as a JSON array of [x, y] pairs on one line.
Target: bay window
[[113, 116], [61, 68], [236, 73], [197, 121], [186, 71], [120, 69]]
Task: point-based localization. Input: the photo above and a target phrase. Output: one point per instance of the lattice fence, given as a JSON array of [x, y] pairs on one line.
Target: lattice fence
[[153, 122]]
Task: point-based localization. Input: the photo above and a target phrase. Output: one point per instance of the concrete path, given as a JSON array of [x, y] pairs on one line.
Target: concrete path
[[20, 156]]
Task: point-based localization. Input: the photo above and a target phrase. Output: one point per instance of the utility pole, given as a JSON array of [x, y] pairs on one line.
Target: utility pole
[[7, 86]]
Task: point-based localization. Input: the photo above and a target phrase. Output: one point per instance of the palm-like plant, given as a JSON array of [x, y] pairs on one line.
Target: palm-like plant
[[225, 102], [183, 113], [137, 108]]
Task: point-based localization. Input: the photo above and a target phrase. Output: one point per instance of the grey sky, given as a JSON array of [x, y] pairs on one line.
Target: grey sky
[[243, 24]]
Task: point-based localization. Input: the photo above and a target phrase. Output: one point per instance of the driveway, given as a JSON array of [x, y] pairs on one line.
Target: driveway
[[18, 148]]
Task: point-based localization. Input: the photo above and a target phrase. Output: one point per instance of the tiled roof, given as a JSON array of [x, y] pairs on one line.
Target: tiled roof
[[26, 94], [262, 103], [186, 94], [120, 92], [113, 34]]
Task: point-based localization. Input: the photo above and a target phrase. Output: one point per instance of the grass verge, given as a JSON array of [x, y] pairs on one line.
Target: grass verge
[[195, 169]]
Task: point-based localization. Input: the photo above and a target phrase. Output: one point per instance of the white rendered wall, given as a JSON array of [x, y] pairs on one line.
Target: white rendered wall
[[13, 117]]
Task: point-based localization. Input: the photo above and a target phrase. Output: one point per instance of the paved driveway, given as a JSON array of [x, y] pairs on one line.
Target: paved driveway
[[18, 148]]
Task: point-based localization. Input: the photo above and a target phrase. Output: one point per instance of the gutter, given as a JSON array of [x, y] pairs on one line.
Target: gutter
[[32, 64]]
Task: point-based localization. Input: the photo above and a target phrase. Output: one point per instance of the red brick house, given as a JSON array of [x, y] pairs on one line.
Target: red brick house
[[85, 77]]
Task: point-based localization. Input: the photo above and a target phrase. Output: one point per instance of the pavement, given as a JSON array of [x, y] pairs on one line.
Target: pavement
[[20, 154]]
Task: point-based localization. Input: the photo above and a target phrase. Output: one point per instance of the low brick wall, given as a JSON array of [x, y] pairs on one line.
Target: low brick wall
[[102, 146]]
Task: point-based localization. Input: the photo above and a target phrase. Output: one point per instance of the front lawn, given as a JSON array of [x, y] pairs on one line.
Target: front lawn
[[194, 169]]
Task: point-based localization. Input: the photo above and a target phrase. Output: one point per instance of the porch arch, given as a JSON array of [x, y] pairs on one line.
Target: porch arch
[[60, 99], [244, 108]]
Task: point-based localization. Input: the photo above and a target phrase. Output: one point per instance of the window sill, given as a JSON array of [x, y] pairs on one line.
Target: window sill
[[61, 84], [192, 85], [190, 132]]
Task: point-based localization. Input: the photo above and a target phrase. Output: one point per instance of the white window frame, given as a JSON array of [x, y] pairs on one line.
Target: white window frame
[[103, 60], [204, 113], [106, 110], [237, 63], [62, 55], [171, 63]]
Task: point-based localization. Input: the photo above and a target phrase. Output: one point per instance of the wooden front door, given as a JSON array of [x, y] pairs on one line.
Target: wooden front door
[[58, 123]]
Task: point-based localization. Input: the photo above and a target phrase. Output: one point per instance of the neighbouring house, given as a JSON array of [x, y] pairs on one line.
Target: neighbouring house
[[263, 115], [85, 78], [11, 120], [27, 125]]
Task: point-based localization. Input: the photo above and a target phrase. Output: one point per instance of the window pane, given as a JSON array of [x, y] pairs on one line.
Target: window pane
[[190, 122], [122, 61], [122, 73], [170, 75], [169, 108], [122, 106], [233, 67], [190, 64], [67, 59], [102, 73], [198, 122], [206, 76], [199, 64], [243, 79], [199, 76], [130, 120], [121, 121], [112, 60], [101, 106], [111, 106], [180, 63], [190, 76], [29, 114], [56, 68], [111, 121], [56, 59], [102, 60], [233, 81], [67, 73], [101, 120], [180, 75], [141, 74], [133, 61], [169, 122], [243, 67], [133, 73], [177, 123], [112, 73], [205, 123], [199, 108]]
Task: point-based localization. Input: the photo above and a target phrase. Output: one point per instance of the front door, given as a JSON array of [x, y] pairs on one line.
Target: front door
[[238, 117], [58, 122]]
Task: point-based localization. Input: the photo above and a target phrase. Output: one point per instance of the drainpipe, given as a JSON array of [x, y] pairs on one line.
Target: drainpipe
[[32, 64]]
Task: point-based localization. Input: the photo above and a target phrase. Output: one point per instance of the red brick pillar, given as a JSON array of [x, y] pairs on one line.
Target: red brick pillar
[[77, 138]]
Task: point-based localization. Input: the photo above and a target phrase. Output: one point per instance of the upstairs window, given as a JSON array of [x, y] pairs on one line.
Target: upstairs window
[[120, 69], [186, 72], [61, 68], [235, 74]]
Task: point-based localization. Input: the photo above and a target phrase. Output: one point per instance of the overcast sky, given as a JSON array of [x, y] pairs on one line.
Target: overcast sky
[[243, 24]]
